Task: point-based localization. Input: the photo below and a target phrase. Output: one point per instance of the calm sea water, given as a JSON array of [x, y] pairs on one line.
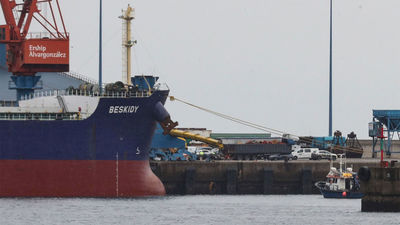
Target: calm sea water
[[244, 209]]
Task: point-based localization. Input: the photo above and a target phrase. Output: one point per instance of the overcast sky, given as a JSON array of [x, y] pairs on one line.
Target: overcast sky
[[264, 61]]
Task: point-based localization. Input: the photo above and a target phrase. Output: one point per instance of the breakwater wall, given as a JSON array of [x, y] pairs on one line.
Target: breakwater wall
[[246, 177], [381, 187]]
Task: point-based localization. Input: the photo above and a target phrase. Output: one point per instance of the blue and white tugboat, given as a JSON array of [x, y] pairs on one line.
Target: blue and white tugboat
[[342, 183]]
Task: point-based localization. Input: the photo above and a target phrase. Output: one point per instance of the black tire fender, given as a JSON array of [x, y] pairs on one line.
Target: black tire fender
[[364, 173]]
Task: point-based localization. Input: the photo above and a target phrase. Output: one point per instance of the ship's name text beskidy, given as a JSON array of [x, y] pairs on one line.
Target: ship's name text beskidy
[[123, 109]]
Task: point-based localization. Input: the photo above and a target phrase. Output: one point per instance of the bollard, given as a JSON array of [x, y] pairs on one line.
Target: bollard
[[268, 177], [190, 174], [231, 181], [306, 181]]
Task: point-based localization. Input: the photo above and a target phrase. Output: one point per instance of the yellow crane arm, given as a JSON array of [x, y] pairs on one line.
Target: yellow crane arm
[[185, 134]]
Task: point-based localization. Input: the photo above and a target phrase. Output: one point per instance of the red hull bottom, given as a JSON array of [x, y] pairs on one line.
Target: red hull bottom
[[78, 178]]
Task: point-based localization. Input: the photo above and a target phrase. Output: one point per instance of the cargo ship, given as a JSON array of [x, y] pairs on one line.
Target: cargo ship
[[91, 141], [80, 144]]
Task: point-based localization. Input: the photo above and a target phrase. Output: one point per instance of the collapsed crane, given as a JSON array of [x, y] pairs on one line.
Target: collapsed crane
[[29, 53]]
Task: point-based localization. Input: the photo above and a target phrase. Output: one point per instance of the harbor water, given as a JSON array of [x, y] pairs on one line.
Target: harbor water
[[196, 209]]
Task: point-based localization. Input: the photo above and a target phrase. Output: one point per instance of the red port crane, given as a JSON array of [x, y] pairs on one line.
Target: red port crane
[[29, 53]]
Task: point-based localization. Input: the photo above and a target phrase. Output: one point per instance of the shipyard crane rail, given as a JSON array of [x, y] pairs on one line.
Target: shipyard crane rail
[[259, 127]]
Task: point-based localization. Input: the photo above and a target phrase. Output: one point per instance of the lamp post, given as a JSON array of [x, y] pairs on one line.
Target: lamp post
[[100, 48], [330, 72]]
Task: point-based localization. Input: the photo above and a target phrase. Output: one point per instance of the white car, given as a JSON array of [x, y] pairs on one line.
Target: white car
[[304, 153], [323, 154], [192, 149], [203, 151]]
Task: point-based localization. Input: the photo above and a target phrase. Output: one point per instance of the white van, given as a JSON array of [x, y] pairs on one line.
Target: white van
[[304, 153], [192, 149]]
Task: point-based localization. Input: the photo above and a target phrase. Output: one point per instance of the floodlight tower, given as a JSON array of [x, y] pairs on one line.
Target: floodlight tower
[[330, 71]]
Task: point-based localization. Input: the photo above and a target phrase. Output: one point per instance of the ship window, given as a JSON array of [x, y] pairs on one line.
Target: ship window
[[347, 183]]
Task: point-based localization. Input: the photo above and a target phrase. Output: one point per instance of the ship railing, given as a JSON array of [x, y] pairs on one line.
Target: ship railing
[[79, 77], [161, 86], [8, 103], [77, 92], [136, 94], [39, 116], [46, 35]]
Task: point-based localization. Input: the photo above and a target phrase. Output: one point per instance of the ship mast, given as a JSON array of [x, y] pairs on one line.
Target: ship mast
[[127, 44]]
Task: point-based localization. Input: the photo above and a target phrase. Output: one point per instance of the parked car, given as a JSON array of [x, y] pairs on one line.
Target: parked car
[[285, 157], [206, 151], [304, 153], [323, 154]]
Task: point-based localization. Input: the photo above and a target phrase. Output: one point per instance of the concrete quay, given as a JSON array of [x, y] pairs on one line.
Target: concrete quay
[[247, 177], [381, 187]]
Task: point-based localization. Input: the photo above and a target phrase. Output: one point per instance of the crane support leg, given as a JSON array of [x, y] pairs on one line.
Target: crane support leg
[[25, 85]]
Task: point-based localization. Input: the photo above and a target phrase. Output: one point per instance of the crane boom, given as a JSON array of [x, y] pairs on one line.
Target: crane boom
[[28, 9], [185, 134], [7, 7]]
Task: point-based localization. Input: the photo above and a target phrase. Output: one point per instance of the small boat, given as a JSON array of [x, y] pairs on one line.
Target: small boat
[[342, 183]]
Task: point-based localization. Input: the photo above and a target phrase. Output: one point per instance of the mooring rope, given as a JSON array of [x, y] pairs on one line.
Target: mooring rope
[[257, 126]]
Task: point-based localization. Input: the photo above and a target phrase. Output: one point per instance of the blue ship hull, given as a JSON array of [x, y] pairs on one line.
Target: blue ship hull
[[105, 155], [102, 136], [339, 194]]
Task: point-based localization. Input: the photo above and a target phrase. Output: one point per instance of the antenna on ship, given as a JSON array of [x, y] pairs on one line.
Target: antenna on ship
[[127, 43]]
